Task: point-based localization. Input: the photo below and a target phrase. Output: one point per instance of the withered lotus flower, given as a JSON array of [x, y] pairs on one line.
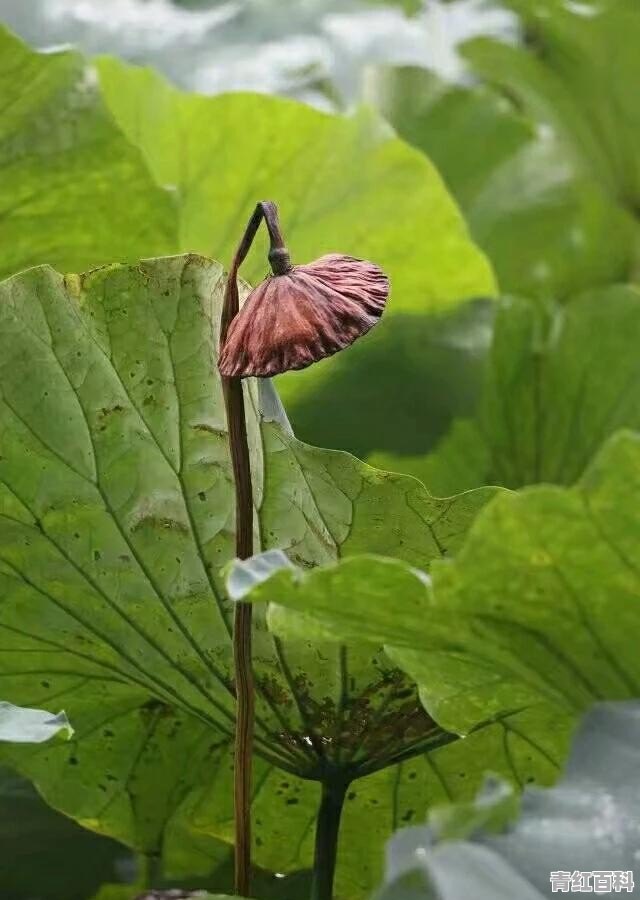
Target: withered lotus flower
[[303, 314], [299, 315]]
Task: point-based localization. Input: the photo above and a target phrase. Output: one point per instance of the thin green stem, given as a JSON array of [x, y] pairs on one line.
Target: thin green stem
[[326, 846]]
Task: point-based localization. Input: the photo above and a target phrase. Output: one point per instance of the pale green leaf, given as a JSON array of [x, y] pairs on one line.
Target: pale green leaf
[[468, 133], [75, 193], [576, 72], [549, 229], [558, 594], [341, 183], [557, 383], [537, 606]]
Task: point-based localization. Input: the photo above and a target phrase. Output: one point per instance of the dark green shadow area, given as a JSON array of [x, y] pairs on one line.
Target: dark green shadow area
[[46, 856], [398, 388]]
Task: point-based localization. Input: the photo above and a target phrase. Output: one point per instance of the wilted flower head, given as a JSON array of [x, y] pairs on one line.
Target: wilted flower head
[[301, 314], [294, 319]]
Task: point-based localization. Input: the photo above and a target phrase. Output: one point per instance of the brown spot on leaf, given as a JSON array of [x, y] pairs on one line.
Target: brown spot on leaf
[[160, 523]]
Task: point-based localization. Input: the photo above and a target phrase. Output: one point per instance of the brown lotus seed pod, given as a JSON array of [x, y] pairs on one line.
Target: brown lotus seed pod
[[302, 314]]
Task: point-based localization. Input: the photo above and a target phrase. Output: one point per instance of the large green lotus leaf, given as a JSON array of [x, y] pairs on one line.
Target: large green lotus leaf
[[468, 133], [558, 382], [343, 184], [116, 514], [535, 610], [559, 596], [397, 796], [75, 193], [538, 604], [576, 72], [525, 749], [107, 777], [560, 834], [387, 601], [548, 228]]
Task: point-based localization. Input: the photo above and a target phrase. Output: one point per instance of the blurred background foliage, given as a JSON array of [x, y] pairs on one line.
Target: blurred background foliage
[[320, 51], [530, 113]]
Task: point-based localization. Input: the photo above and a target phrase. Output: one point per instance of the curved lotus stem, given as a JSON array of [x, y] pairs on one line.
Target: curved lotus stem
[[237, 425]]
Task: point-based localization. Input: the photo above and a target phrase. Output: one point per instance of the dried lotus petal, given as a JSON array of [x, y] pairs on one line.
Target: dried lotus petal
[[292, 320]]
